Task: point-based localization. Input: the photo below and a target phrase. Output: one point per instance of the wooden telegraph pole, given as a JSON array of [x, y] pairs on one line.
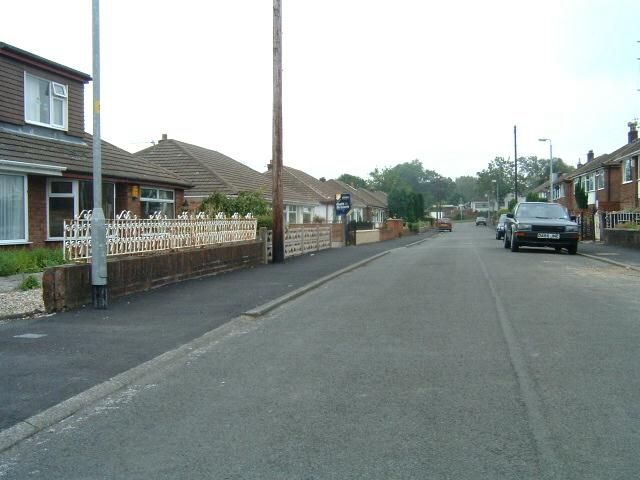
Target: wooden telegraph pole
[[276, 153], [515, 163]]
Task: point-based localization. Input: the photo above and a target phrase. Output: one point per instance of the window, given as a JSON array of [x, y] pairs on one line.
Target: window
[[600, 180], [626, 170], [13, 209], [67, 198], [306, 214], [157, 200], [589, 183], [290, 214], [45, 102]]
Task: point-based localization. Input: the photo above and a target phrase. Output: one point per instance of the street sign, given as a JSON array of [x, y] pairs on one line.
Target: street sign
[[343, 203]]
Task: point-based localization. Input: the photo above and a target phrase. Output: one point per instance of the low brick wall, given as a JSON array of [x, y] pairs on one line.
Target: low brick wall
[[622, 237], [69, 286], [367, 236]]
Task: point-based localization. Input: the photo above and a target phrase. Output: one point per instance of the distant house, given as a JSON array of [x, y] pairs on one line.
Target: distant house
[[208, 171], [46, 164]]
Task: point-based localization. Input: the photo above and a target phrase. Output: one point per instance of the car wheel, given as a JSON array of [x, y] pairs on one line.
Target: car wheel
[[558, 249], [514, 244], [573, 249]]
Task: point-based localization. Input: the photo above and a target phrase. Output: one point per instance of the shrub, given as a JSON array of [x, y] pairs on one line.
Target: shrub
[[628, 226], [30, 282], [28, 261], [265, 221]]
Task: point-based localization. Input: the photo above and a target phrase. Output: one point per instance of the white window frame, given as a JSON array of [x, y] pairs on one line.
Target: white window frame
[[25, 216], [627, 162], [307, 211], [590, 184], [600, 185], [64, 98], [75, 193], [288, 210], [157, 199]]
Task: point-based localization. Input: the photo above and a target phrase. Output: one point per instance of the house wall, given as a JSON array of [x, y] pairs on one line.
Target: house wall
[[12, 95], [628, 192]]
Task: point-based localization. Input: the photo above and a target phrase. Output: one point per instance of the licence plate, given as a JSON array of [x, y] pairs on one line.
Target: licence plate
[[552, 236]]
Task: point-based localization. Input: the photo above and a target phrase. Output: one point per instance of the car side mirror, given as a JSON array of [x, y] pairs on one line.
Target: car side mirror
[[509, 215]]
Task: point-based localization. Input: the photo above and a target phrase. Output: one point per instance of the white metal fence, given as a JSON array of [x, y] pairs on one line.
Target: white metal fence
[[299, 240], [614, 218], [127, 234]]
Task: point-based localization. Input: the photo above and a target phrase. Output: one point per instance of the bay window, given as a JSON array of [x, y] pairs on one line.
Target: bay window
[[13, 209], [600, 180]]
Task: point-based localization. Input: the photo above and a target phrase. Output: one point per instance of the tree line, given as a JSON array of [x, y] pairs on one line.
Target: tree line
[[411, 188]]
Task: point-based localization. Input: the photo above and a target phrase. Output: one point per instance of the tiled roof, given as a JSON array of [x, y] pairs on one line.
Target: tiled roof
[[209, 171], [294, 191], [77, 157], [589, 167], [627, 150]]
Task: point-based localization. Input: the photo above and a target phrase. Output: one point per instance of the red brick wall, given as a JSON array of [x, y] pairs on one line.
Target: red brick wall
[[628, 191], [38, 211], [69, 286]]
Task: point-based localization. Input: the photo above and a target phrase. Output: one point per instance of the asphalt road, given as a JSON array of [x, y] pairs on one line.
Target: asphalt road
[[451, 359]]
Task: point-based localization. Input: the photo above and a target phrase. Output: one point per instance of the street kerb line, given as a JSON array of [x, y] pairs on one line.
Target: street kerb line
[[55, 414], [267, 307], [612, 262]]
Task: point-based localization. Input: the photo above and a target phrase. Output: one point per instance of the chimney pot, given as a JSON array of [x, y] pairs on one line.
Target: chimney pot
[[590, 156], [633, 131], [164, 137]]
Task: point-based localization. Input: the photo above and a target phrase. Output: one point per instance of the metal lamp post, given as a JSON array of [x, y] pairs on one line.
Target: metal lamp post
[[550, 167], [497, 195]]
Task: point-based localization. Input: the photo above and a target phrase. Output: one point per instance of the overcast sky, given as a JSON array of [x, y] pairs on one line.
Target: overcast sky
[[367, 83]]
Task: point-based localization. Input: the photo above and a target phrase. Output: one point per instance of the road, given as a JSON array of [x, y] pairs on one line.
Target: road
[[450, 359]]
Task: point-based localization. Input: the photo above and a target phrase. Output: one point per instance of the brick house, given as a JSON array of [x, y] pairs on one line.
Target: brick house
[[610, 180], [624, 161], [46, 160]]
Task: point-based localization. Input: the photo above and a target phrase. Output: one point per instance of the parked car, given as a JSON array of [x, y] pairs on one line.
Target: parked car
[[541, 224], [481, 221], [444, 224], [500, 226]]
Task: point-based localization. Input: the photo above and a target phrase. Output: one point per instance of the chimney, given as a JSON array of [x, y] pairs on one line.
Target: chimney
[[579, 164], [633, 131], [589, 156], [164, 137]]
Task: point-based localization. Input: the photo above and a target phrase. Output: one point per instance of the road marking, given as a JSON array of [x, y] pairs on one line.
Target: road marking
[[548, 463], [30, 335]]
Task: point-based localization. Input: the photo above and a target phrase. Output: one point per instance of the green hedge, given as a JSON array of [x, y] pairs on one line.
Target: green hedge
[[28, 261]]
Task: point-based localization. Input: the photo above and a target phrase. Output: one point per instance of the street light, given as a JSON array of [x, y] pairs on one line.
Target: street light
[[497, 194], [550, 167]]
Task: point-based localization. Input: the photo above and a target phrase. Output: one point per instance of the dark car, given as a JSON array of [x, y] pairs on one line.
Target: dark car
[[444, 224], [540, 224], [500, 226]]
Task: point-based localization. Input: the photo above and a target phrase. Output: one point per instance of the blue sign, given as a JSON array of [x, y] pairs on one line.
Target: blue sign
[[343, 203]]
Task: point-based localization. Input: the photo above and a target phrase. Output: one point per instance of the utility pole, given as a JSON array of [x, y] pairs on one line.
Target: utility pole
[[276, 153], [98, 228], [515, 161]]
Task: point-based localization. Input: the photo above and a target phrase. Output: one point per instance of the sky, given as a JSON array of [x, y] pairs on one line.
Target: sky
[[366, 83]]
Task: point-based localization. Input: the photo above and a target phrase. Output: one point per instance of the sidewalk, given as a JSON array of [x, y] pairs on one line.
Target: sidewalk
[[47, 360], [624, 257]]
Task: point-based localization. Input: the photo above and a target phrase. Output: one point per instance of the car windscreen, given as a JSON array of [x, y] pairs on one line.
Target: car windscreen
[[541, 211]]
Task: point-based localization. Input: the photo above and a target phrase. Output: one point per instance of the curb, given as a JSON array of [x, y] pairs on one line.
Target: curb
[[273, 304], [612, 262], [40, 421]]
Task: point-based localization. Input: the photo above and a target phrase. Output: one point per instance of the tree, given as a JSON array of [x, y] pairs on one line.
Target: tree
[[244, 203], [353, 180], [582, 200], [502, 171], [536, 170], [466, 190]]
